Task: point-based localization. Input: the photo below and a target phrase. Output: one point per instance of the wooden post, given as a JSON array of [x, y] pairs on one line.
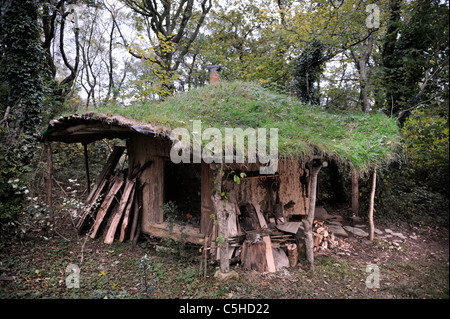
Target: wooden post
[[219, 207], [371, 204], [355, 193], [86, 165], [308, 221], [49, 174]]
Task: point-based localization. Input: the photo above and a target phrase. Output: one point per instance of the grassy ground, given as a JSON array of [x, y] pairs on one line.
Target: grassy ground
[[36, 268]]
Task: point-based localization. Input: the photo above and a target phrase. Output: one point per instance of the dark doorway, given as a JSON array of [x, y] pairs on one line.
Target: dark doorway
[[183, 187]]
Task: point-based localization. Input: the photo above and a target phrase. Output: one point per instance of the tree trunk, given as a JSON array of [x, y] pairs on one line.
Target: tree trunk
[[355, 193], [371, 204], [308, 221], [219, 207]]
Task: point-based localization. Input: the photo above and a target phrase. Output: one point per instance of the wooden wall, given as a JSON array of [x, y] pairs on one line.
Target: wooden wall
[[261, 191], [142, 148]]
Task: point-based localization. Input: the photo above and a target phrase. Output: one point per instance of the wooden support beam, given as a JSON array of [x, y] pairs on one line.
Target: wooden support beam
[[219, 207], [49, 174], [355, 193], [86, 166], [371, 204]]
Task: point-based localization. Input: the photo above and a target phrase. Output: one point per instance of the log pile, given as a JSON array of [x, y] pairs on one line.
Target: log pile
[[113, 206], [322, 237], [259, 245]]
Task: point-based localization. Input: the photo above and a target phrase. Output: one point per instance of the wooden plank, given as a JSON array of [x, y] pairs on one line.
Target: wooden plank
[[108, 169], [135, 227], [253, 256], [126, 216], [129, 186], [90, 208], [269, 254], [106, 205], [267, 241], [207, 207]]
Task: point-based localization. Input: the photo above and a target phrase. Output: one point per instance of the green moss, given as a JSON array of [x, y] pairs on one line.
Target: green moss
[[359, 140]]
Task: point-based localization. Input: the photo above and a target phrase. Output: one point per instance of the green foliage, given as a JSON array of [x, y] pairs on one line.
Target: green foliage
[[307, 70], [14, 175], [402, 195], [427, 144], [415, 55], [22, 64]]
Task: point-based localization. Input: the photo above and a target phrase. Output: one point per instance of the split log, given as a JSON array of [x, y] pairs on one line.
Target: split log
[[129, 187], [135, 227], [106, 205], [48, 176], [126, 216], [267, 241], [317, 238], [292, 254]]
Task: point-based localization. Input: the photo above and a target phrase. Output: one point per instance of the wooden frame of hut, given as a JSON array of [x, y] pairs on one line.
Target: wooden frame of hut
[[252, 204]]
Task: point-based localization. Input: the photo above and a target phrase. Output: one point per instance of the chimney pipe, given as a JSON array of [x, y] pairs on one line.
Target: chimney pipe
[[213, 73]]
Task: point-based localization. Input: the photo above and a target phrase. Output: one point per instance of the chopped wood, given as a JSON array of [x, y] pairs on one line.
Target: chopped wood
[[292, 254], [322, 236]]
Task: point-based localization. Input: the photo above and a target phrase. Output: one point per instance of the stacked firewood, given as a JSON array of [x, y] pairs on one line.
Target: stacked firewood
[[113, 203], [322, 237]]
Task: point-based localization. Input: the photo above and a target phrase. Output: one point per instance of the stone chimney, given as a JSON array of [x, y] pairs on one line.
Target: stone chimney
[[213, 73]]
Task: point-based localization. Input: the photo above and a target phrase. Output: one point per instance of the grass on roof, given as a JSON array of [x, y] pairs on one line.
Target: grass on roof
[[359, 140]]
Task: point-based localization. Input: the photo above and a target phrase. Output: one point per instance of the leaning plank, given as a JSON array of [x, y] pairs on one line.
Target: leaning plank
[[267, 241], [269, 254], [106, 205], [137, 207], [91, 206], [126, 216], [108, 169], [129, 187]]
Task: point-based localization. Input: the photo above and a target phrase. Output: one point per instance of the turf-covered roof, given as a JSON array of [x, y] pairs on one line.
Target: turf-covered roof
[[304, 131]]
